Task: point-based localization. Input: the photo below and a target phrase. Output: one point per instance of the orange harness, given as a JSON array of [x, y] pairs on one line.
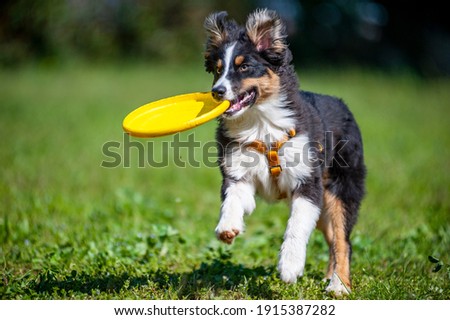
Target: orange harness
[[272, 152]]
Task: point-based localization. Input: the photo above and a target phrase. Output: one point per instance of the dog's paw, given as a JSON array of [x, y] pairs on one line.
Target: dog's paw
[[291, 261], [336, 287], [289, 274], [228, 229], [228, 236], [290, 269]]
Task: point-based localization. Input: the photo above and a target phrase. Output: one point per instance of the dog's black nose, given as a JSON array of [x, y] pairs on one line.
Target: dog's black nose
[[218, 92]]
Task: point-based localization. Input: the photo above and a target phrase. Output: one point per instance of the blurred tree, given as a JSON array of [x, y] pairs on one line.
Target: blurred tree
[[390, 34], [418, 34], [25, 27]]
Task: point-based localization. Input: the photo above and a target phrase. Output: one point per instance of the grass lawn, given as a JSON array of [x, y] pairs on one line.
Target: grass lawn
[[72, 229]]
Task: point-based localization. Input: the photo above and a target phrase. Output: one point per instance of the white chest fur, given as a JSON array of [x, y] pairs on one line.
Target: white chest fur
[[267, 122]]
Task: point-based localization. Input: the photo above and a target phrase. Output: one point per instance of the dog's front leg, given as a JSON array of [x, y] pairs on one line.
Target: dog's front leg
[[237, 199], [301, 223]]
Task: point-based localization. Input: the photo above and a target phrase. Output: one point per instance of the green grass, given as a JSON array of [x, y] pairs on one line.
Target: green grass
[[71, 229]]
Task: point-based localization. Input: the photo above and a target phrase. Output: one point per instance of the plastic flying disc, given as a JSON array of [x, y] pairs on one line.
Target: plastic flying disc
[[174, 114]]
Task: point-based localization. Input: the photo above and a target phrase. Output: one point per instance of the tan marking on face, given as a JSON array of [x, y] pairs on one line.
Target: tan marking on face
[[333, 226], [219, 64], [238, 60], [266, 85]]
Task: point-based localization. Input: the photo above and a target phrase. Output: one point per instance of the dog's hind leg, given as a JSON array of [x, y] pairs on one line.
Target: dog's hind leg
[[344, 190], [325, 225], [333, 224]]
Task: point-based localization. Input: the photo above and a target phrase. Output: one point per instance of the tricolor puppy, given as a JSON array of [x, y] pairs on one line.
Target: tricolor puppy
[[282, 143]]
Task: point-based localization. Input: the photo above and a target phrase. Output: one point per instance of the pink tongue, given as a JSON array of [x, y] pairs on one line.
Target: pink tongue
[[236, 106]]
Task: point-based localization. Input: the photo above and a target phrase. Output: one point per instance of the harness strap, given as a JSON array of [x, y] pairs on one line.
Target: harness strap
[[271, 153]]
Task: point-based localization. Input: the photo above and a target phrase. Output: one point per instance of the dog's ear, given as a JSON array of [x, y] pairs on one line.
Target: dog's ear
[[267, 31], [216, 29], [215, 26]]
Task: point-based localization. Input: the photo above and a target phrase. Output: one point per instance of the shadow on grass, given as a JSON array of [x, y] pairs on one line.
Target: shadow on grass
[[208, 280], [211, 278]]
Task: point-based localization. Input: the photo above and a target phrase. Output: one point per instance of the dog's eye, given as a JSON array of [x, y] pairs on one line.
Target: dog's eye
[[218, 70], [244, 67]]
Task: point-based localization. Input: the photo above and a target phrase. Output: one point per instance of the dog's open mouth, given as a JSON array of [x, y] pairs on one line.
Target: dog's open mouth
[[244, 100]]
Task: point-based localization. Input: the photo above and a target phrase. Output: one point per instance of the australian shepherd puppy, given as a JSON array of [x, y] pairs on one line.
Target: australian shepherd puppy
[[282, 143]]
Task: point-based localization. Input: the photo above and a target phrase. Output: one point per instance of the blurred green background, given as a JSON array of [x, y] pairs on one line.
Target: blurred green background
[[72, 229]]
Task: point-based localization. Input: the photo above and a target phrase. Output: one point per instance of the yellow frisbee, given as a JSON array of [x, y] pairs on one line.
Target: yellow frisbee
[[174, 114]]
